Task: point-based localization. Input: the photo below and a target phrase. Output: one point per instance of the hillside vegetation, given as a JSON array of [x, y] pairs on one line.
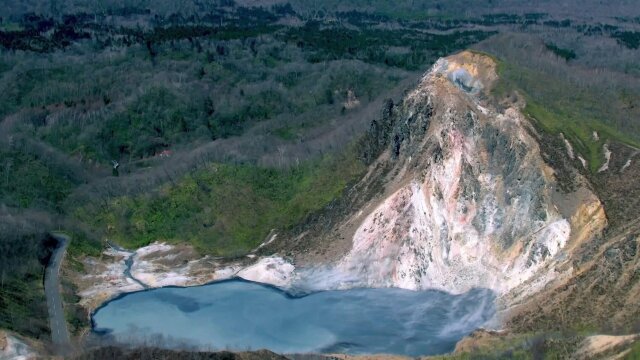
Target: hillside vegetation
[[24, 251], [225, 209], [567, 98]]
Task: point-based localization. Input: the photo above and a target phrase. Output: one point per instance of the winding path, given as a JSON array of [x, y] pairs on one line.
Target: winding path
[[59, 331]]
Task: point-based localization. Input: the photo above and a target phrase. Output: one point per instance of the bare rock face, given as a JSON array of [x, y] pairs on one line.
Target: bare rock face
[[469, 201], [11, 347]]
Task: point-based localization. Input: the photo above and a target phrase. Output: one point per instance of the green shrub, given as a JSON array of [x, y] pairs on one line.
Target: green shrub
[[566, 54], [225, 209], [27, 181]]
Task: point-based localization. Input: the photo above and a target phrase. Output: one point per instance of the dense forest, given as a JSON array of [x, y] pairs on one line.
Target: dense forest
[[215, 122]]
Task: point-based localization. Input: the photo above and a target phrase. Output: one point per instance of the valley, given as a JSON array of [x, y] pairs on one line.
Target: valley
[[437, 181], [398, 221]]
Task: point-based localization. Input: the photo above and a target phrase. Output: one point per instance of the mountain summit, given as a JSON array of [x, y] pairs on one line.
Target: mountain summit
[[467, 200]]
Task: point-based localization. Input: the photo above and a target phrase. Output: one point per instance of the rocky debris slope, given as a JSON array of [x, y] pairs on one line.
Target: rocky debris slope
[[103, 278], [605, 346], [468, 200], [120, 271], [604, 290], [13, 348], [485, 344]]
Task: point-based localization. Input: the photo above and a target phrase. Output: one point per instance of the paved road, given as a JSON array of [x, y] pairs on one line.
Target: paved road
[[57, 322]]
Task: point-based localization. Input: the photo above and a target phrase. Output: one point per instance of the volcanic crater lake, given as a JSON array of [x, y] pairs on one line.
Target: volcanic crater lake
[[242, 315]]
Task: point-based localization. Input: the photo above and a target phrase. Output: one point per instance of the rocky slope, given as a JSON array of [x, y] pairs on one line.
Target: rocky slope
[[458, 196], [120, 271], [467, 201], [14, 348]]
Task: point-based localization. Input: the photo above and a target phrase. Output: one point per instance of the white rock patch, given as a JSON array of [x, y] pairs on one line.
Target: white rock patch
[[582, 161], [607, 158], [269, 270], [17, 350], [110, 280], [569, 147]]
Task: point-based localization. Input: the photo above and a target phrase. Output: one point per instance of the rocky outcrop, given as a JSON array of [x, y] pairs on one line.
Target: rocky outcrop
[[119, 271], [605, 346], [11, 347], [602, 291], [103, 278], [469, 201]]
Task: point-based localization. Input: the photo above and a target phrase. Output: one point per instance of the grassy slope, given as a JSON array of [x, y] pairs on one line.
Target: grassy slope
[[225, 209], [557, 108], [634, 353]]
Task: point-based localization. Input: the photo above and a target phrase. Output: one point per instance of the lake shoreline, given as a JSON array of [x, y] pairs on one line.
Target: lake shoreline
[[328, 321]]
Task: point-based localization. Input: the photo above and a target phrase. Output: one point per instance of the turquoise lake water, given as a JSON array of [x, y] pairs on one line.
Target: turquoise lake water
[[241, 315]]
